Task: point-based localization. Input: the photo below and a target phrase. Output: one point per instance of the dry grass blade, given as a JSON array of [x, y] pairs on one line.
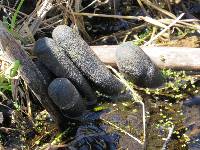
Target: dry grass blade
[[137, 98], [1, 147], [154, 22], [160, 23], [171, 129], [108, 16], [148, 3], [164, 30], [92, 3], [13, 10], [181, 23], [123, 131], [189, 14], [29, 112]]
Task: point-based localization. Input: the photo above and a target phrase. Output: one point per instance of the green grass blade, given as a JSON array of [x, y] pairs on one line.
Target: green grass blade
[[14, 17]]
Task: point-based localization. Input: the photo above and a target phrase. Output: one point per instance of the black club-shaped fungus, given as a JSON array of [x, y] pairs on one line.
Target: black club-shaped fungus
[[66, 97], [86, 60], [137, 66], [58, 63]]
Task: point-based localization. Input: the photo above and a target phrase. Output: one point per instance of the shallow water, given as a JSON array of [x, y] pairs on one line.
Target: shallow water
[[124, 119]]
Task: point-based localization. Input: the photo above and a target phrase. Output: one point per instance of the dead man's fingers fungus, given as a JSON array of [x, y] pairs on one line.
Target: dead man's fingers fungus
[[66, 97], [137, 66], [86, 60], [58, 63]]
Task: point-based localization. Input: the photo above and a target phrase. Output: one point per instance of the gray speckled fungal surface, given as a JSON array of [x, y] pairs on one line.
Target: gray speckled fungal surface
[[137, 66], [86, 60], [66, 97], [58, 62]]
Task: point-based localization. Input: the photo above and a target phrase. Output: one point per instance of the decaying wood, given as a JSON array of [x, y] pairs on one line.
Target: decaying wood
[[177, 58], [29, 72]]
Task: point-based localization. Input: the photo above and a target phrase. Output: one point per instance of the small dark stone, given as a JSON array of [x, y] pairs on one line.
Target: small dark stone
[[86, 60], [66, 97], [137, 66]]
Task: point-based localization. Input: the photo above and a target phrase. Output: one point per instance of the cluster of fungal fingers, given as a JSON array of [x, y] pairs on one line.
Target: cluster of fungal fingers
[[57, 62], [76, 73]]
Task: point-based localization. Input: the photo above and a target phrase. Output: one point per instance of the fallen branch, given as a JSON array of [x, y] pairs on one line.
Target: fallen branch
[[177, 58]]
